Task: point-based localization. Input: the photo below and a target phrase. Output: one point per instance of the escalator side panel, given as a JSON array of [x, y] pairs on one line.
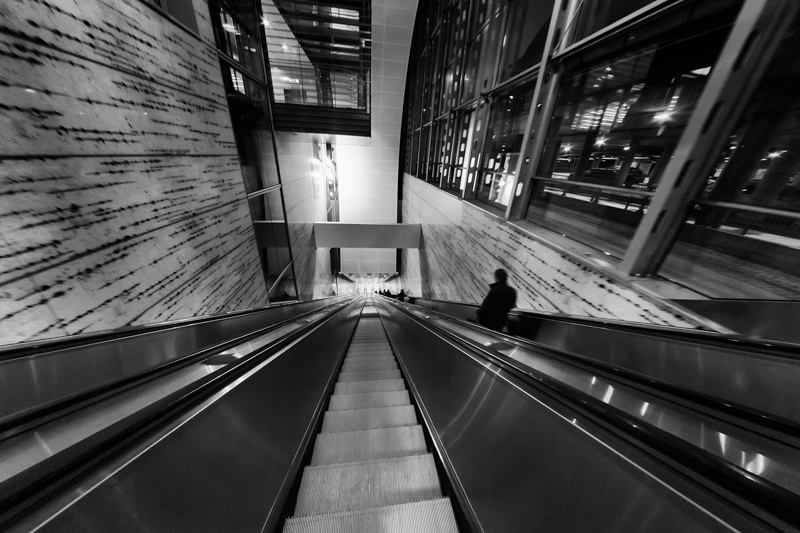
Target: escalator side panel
[[524, 466], [224, 469]]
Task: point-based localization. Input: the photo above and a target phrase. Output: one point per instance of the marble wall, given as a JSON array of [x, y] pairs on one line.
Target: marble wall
[[121, 195], [304, 192], [463, 244]]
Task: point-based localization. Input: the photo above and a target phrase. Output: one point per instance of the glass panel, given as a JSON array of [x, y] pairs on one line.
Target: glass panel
[[471, 69], [252, 128], [285, 289], [597, 14], [617, 122], [480, 14], [319, 54], [526, 36], [237, 36], [743, 240], [506, 129], [490, 49], [267, 207]]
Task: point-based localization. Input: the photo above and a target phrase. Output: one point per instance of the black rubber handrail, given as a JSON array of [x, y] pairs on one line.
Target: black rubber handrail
[[771, 498], [25, 349], [66, 405], [726, 340], [20, 495], [731, 410]]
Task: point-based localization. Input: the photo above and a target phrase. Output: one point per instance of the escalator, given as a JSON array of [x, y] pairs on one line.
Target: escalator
[[370, 467], [368, 416]]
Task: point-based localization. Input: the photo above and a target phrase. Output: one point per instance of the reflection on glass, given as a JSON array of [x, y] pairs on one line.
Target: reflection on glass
[[528, 22], [594, 15], [616, 124], [252, 128], [747, 222], [319, 54], [506, 129], [237, 36]]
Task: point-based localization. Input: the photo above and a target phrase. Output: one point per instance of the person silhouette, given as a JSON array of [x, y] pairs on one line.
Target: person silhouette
[[493, 312]]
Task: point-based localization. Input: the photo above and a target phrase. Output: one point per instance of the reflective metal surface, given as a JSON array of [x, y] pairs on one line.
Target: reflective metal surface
[[44, 442], [528, 463], [758, 380], [35, 381], [222, 467], [764, 457]]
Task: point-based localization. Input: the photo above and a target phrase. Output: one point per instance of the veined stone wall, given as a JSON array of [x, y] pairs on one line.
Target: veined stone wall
[[121, 195], [463, 245]]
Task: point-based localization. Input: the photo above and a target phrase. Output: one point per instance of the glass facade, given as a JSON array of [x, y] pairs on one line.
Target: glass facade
[[240, 46], [621, 83]]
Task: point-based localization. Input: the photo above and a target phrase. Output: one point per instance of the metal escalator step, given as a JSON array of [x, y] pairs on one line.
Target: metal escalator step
[[358, 419], [370, 354], [368, 376], [331, 488], [427, 516], [368, 400], [369, 365], [379, 385], [368, 445]]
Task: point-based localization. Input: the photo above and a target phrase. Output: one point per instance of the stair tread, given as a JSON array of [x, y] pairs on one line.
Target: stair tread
[[376, 385], [426, 516], [359, 419], [367, 400], [369, 444], [368, 376], [331, 488]]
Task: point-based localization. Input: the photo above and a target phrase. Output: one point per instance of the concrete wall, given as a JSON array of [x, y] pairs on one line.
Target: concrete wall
[[304, 190], [463, 244], [121, 196]]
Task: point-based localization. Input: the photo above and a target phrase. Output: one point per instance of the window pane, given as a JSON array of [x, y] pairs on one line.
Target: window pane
[[237, 36], [597, 14], [743, 239], [506, 129], [617, 121], [528, 23]]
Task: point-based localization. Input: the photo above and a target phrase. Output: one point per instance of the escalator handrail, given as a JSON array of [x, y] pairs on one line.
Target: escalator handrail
[[724, 340], [731, 409], [38, 347], [17, 497], [48, 411], [775, 500]]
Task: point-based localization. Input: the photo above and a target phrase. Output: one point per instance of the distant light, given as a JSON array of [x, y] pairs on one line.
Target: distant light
[[608, 69], [600, 142], [30, 91], [284, 46], [596, 85], [626, 148], [510, 97], [662, 117], [566, 148], [773, 155], [264, 21], [144, 113]]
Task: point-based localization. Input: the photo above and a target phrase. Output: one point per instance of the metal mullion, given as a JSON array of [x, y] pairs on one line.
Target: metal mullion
[[543, 102], [238, 66], [263, 191], [641, 16], [752, 43]]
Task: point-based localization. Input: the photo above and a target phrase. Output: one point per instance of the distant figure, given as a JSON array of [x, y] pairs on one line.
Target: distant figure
[[493, 312], [401, 296]]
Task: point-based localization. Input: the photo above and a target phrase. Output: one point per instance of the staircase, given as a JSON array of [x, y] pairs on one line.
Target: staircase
[[370, 470]]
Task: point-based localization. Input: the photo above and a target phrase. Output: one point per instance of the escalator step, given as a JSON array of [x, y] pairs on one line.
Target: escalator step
[[358, 419], [368, 376], [381, 385], [370, 354], [368, 445], [429, 516], [331, 488], [370, 364], [368, 400]]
